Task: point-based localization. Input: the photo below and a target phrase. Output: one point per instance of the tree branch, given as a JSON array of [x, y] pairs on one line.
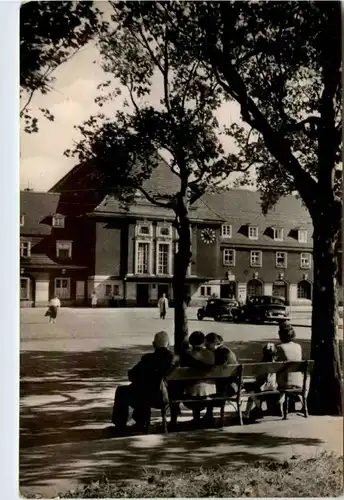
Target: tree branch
[[152, 200]]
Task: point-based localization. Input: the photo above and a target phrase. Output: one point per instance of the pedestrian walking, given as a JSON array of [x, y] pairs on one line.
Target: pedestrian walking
[[94, 299], [54, 306], [163, 306]]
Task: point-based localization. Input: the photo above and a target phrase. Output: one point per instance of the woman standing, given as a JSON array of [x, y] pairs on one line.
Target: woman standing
[[94, 299], [54, 306]]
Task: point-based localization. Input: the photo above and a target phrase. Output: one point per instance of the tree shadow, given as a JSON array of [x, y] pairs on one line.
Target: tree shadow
[[125, 459]]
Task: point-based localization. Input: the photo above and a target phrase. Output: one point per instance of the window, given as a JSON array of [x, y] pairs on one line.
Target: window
[[209, 290], [144, 229], [202, 291], [226, 231], [253, 233], [278, 234], [256, 258], [302, 236], [279, 289], [24, 288], [228, 257], [281, 259], [64, 249], [254, 287], [22, 220], [164, 231], [111, 290], [163, 258], [58, 221], [142, 258], [305, 261], [62, 288], [25, 249], [304, 290]]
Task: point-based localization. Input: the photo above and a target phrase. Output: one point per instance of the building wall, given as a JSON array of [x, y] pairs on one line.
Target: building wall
[[108, 248]]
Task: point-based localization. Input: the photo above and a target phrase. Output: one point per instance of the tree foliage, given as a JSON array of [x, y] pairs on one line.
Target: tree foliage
[[281, 63], [179, 124], [50, 34]]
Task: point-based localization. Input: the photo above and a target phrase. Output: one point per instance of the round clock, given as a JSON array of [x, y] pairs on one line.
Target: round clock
[[208, 235]]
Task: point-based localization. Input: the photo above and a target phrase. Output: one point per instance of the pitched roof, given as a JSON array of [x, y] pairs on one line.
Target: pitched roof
[[38, 208]]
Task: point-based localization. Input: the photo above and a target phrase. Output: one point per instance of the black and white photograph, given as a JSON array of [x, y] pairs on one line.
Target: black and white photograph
[[181, 297]]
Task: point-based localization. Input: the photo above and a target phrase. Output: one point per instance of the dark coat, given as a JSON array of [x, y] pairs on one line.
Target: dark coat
[[147, 376], [224, 356]]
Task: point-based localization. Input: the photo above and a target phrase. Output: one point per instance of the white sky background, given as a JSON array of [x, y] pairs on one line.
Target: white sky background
[[72, 102]]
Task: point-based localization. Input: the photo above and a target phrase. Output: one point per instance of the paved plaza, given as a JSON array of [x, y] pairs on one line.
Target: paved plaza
[[69, 372]]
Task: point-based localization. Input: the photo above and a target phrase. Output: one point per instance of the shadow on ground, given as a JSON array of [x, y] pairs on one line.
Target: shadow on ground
[[126, 459]]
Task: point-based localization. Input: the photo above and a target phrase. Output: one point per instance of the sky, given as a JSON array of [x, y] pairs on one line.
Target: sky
[[71, 102]]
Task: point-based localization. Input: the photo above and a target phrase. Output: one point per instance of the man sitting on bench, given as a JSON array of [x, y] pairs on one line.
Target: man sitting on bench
[[145, 390]]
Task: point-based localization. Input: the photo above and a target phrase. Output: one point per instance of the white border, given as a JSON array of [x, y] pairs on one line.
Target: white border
[[9, 253]]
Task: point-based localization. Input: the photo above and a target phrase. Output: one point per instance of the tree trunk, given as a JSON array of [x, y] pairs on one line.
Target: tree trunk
[[325, 394], [181, 263]]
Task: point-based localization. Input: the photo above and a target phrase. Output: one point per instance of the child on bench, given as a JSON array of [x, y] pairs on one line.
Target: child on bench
[[267, 382]]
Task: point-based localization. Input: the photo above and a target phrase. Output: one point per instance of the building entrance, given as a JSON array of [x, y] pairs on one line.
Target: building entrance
[[142, 294], [162, 289], [228, 290]]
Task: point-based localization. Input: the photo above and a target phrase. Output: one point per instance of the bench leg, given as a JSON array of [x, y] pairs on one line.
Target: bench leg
[[305, 408], [164, 422], [285, 406], [240, 413], [222, 415]]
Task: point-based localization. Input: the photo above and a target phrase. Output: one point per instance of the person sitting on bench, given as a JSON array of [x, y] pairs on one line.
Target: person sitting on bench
[[263, 383], [223, 356], [198, 357], [145, 391], [288, 350]]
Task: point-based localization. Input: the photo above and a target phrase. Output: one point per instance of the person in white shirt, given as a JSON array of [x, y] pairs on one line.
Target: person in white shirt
[[54, 306], [163, 306]]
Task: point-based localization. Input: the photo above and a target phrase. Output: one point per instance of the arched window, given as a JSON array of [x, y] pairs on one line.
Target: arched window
[[304, 290], [254, 287]]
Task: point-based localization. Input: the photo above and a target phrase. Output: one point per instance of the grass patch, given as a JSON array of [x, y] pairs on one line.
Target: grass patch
[[321, 476]]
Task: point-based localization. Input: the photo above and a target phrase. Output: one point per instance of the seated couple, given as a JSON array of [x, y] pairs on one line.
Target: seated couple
[[204, 351], [286, 350]]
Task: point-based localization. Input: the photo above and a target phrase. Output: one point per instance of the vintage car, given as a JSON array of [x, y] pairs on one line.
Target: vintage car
[[261, 309], [218, 309]]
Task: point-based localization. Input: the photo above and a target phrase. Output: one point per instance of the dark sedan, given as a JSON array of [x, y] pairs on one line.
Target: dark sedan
[[218, 309], [261, 309]]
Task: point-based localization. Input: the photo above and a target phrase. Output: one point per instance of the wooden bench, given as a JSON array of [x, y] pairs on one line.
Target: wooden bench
[[180, 378]]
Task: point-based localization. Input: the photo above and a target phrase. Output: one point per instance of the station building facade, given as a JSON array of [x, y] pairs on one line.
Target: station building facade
[[73, 244]]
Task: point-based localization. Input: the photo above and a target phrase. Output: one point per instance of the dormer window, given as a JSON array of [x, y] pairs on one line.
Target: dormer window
[[22, 220], [253, 232], [58, 221], [64, 249], [226, 231], [302, 236], [278, 234]]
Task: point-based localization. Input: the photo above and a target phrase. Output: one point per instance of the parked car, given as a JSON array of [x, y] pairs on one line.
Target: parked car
[[261, 309], [218, 309]]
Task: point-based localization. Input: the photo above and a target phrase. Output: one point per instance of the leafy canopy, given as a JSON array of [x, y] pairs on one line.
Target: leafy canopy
[[169, 108], [50, 34]]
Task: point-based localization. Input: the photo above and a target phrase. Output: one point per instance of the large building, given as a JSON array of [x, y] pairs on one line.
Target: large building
[[75, 240]]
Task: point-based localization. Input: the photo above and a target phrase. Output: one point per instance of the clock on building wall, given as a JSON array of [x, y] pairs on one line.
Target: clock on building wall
[[208, 235]]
